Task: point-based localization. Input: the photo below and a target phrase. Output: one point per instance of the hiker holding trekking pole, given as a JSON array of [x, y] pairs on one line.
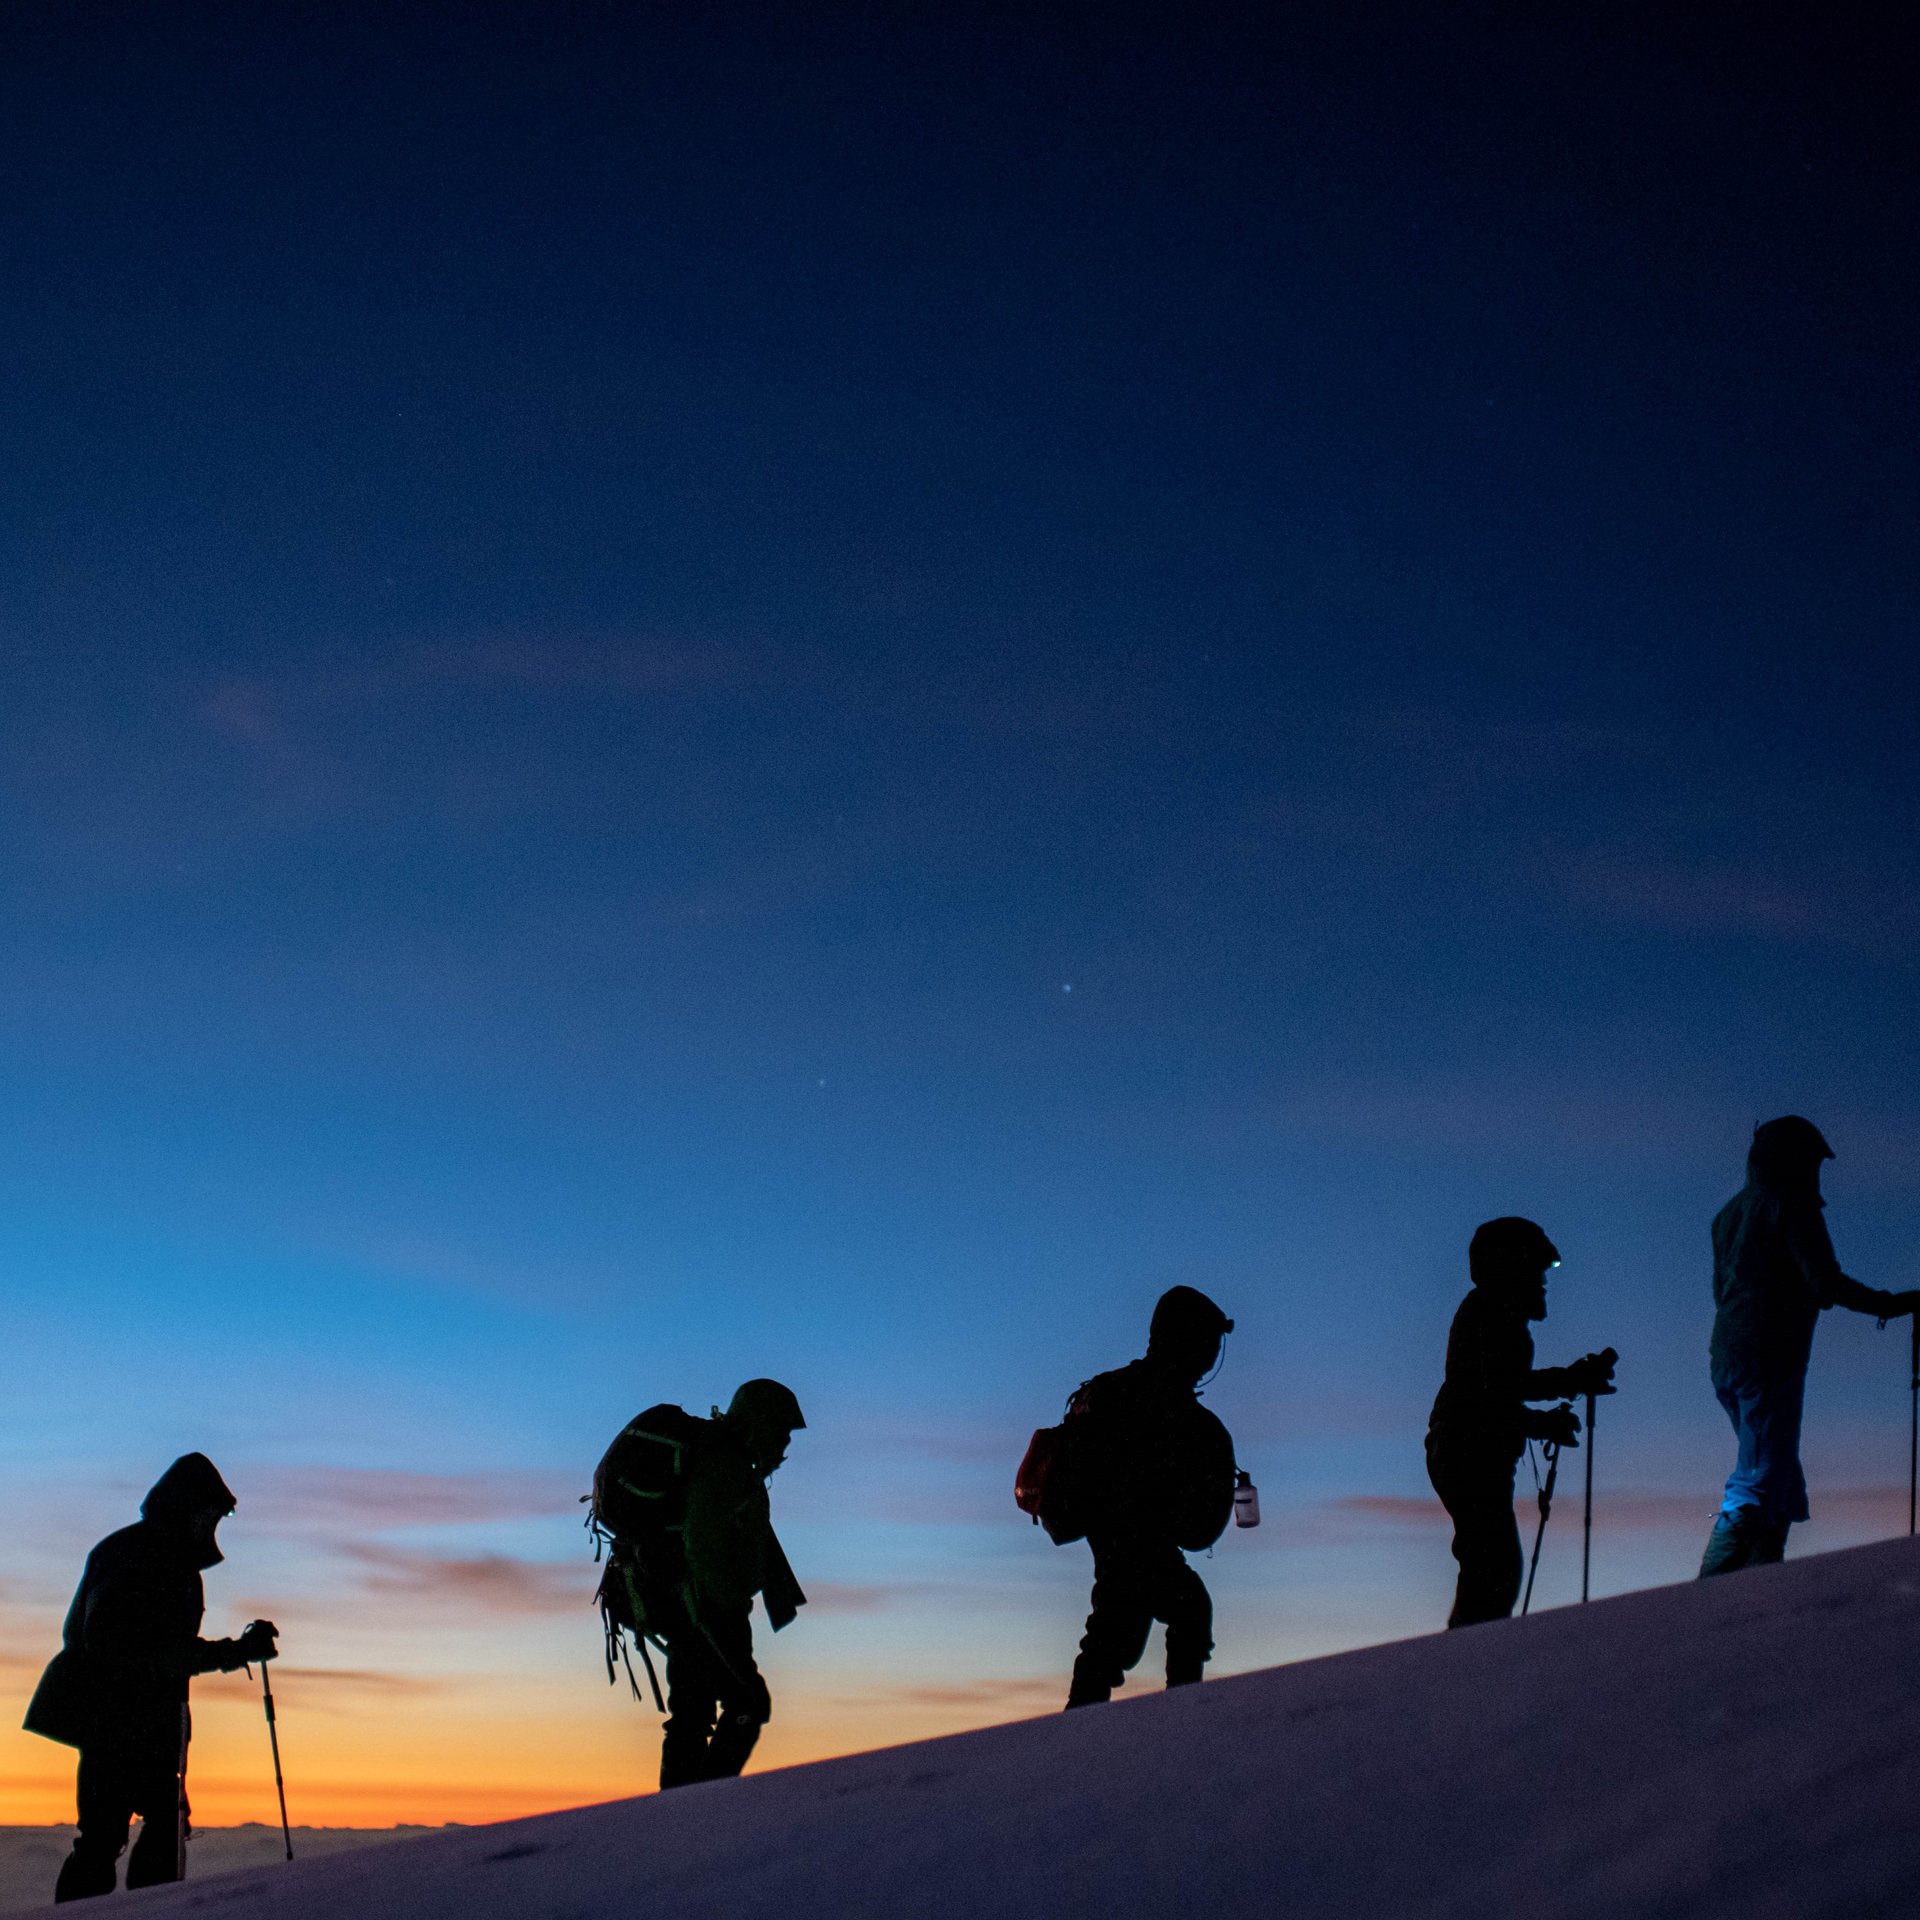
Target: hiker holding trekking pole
[[1774, 1274], [117, 1689], [1481, 1417]]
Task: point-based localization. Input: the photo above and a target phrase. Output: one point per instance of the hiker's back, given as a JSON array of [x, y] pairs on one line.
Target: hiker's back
[[640, 1486], [1150, 1459]]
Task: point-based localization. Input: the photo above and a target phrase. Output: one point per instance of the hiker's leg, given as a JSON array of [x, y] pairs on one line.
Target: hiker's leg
[[693, 1694], [1486, 1543], [1183, 1602], [1118, 1625], [745, 1704], [105, 1815]]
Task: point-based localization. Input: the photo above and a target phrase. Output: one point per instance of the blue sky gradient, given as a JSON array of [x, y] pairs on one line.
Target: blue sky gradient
[[814, 692]]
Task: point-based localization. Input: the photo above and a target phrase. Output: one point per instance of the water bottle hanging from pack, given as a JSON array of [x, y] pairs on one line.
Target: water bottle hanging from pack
[[1246, 1499]]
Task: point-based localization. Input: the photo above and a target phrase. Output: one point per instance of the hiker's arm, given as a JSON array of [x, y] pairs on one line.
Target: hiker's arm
[[228, 1656], [1812, 1248]]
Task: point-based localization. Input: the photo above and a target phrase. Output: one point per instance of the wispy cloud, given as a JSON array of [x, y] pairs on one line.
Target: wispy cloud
[[1400, 1510], [360, 1500], [1682, 897], [330, 1687], [487, 1582], [830, 1596], [1626, 1509], [273, 713]]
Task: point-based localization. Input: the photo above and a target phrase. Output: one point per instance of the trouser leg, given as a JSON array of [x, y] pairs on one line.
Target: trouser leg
[[1486, 1544], [693, 1697], [155, 1859], [1767, 1489], [745, 1704], [717, 1700], [1136, 1583], [1187, 1608], [106, 1797], [1765, 1412], [1118, 1623]]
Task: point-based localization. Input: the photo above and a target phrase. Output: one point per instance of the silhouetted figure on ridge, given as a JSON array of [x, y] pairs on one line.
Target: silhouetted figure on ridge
[[1151, 1473], [117, 1689], [685, 1503], [1481, 1420], [1774, 1274]]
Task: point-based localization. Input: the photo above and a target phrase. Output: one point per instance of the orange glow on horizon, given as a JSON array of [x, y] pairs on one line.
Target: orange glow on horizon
[[469, 1765]]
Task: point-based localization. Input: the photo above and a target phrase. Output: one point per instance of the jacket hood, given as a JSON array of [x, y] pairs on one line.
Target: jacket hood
[[1786, 1154], [191, 1485]]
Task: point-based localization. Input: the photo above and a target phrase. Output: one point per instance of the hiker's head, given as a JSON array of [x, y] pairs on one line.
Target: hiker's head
[[1786, 1155], [1511, 1258], [190, 1500], [768, 1416], [1186, 1332]]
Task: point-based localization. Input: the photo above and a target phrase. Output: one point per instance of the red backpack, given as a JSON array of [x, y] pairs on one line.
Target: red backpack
[[1044, 1486]]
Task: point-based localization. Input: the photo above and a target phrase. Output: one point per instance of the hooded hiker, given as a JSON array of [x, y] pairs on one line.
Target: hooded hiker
[[117, 1689], [1774, 1274], [684, 1502], [1146, 1471], [1481, 1418]]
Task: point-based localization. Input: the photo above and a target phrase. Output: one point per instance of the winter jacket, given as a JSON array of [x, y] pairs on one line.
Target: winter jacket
[[1774, 1274], [132, 1638], [732, 1552], [1481, 1420]]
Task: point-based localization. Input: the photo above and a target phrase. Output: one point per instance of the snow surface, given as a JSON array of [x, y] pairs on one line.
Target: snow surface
[[1745, 1746], [30, 1857]]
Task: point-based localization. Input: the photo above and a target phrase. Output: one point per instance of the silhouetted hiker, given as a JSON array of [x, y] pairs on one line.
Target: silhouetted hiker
[[1481, 1420], [684, 1501], [1148, 1471], [117, 1689], [1774, 1274]]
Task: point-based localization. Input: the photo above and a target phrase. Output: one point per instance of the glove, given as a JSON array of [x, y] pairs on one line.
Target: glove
[[256, 1641], [1593, 1373], [1557, 1426]]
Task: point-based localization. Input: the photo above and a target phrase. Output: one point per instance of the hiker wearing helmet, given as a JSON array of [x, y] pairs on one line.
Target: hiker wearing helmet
[[684, 1503], [1154, 1474], [117, 1689], [1481, 1419], [1774, 1274]]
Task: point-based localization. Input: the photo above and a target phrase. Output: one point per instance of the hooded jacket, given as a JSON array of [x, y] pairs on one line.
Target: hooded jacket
[[731, 1548], [1774, 1274], [1481, 1421], [132, 1642]]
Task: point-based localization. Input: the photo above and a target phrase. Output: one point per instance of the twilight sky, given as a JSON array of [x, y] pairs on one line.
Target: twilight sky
[[688, 692]]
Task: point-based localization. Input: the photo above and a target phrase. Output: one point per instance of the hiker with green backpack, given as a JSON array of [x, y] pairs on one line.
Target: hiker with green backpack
[[681, 1504]]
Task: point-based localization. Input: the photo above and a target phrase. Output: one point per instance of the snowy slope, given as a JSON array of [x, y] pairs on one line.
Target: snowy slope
[[1746, 1747]]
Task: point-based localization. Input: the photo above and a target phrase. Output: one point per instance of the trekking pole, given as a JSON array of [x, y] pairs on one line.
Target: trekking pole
[[1551, 1448], [1913, 1428], [1586, 1531], [273, 1734]]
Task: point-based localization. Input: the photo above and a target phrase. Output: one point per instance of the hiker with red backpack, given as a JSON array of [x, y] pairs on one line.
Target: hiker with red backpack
[[682, 1504], [1145, 1474]]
